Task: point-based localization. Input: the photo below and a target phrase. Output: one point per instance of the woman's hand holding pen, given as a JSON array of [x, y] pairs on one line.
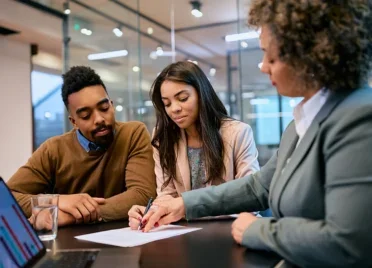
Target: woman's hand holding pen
[[136, 213], [135, 216], [165, 212], [161, 213]]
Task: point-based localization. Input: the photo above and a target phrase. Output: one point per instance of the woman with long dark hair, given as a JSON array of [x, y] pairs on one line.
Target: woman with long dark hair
[[195, 142]]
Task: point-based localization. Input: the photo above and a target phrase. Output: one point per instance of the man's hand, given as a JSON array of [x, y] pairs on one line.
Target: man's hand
[[241, 224], [44, 221], [82, 207], [41, 220], [65, 218]]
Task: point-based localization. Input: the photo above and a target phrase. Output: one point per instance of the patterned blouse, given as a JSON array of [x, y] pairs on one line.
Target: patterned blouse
[[197, 167]]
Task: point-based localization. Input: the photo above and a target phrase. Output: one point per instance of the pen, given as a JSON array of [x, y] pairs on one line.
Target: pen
[[146, 210]]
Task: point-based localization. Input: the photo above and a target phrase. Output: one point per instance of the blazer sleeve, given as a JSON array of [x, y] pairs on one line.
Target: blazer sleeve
[[170, 189], [343, 237], [246, 194], [245, 153]]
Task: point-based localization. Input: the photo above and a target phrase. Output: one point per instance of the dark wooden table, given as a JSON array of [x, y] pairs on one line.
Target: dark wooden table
[[212, 246]]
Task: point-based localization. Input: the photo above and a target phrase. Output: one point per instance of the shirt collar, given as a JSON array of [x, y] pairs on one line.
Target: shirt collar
[[85, 143], [305, 112]]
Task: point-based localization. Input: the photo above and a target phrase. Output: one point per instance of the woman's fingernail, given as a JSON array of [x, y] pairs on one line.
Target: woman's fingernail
[[156, 224], [139, 218]]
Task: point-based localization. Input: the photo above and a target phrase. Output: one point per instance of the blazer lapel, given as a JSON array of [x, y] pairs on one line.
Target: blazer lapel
[[183, 161], [287, 144], [303, 147]]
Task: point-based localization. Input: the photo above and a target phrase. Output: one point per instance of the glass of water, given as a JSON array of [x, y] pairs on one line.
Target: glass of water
[[44, 216]]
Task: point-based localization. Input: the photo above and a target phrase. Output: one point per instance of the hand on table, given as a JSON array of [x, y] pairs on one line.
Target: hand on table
[[82, 207], [44, 220], [41, 220], [65, 218], [241, 224]]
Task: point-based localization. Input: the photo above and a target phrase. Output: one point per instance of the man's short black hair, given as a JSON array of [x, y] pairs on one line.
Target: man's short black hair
[[77, 78]]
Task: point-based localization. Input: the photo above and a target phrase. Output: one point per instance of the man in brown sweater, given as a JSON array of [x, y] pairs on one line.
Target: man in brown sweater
[[100, 168]]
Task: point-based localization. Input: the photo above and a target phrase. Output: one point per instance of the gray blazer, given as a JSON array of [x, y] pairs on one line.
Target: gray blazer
[[321, 199]]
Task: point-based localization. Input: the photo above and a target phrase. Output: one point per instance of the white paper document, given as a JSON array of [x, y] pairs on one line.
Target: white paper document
[[126, 237]]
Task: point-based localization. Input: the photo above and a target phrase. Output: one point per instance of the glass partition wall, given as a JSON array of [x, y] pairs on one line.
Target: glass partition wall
[[143, 39], [262, 107]]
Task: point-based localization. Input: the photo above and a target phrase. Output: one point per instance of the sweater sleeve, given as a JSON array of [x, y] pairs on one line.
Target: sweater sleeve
[[139, 178], [33, 178]]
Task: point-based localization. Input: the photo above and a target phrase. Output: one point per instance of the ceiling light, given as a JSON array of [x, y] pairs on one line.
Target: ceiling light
[[259, 101], [117, 31], [196, 9], [108, 55], [119, 108], [136, 69], [150, 31], [212, 71], [66, 8], [142, 110], [196, 13], [159, 50], [148, 103], [260, 65], [47, 115], [244, 44], [241, 36], [248, 95], [155, 54], [86, 31]]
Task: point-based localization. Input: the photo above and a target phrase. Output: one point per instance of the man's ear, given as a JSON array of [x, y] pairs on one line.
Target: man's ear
[[112, 102], [73, 122]]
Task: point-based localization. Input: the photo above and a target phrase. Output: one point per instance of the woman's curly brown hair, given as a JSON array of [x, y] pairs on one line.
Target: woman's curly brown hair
[[329, 42]]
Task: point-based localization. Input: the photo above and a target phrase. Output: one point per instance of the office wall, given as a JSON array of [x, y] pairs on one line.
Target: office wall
[[15, 106]]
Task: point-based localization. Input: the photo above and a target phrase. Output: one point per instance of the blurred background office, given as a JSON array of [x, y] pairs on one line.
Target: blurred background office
[[128, 42]]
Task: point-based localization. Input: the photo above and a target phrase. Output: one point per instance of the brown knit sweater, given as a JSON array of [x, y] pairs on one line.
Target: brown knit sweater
[[124, 174]]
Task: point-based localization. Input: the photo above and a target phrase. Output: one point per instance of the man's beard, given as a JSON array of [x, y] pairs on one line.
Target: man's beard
[[106, 140]]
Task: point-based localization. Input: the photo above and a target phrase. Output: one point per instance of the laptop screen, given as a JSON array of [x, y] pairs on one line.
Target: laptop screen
[[19, 245]]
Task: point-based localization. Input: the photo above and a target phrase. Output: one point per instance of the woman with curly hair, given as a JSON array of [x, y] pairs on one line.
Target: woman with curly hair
[[319, 183]]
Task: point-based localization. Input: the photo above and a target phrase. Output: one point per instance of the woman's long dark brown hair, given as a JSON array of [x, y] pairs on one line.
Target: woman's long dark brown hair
[[211, 113]]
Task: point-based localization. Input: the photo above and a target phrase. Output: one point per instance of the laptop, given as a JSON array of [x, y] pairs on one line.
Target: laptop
[[21, 247]]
